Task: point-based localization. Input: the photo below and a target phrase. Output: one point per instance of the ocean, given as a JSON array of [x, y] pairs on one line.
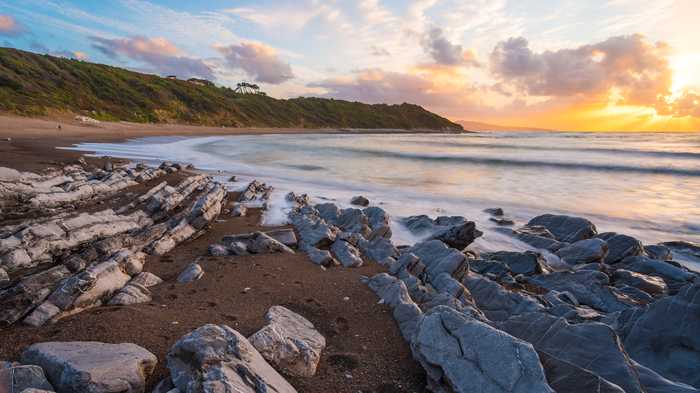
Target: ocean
[[646, 185]]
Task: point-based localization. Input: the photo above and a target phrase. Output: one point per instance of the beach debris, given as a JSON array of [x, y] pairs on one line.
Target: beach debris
[[289, 342], [216, 355], [88, 366], [359, 200]]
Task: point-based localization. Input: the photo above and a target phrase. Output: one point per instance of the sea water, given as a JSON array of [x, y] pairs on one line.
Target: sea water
[[646, 185]]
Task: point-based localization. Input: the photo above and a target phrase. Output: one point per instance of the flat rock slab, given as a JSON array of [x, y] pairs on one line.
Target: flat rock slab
[[22, 378], [290, 342], [216, 358], [95, 367]]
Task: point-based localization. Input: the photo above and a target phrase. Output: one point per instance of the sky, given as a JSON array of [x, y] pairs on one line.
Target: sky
[[595, 65]]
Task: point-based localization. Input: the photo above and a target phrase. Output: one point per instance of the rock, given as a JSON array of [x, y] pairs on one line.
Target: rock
[[42, 314], [216, 358], [290, 342], [378, 250], [537, 236], [670, 273], [233, 179], [23, 378], [502, 221], [657, 251], [346, 254], [353, 221], [146, 279], [684, 251], [458, 236], [394, 293], [565, 377], [583, 252], [192, 272], [87, 366], [359, 201], [527, 263], [591, 288], [4, 278], [20, 299], [566, 228], [378, 221], [665, 338], [329, 212], [620, 247], [261, 243], [313, 231], [239, 210], [648, 284], [217, 250], [131, 294], [465, 355], [496, 302], [320, 257], [284, 236], [494, 211]]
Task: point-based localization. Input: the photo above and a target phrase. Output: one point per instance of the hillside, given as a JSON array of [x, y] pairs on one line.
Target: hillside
[[35, 85]]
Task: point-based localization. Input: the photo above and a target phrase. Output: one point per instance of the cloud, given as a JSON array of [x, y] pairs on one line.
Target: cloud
[[162, 55], [77, 55], [9, 26], [627, 69], [444, 52], [259, 61]]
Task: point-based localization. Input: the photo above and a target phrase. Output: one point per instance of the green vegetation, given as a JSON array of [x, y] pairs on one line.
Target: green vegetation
[[35, 85]]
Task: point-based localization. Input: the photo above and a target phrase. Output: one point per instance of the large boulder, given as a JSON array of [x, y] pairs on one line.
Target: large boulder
[[458, 236], [290, 342], [584, 251], [566, 228], [649, 284], [216, 358], [87, 366], [439, 258], [464, 355], [620, 247], [359, 200], [666, 339], [497, 302], [378, 250], [672, 274], [527, 263]]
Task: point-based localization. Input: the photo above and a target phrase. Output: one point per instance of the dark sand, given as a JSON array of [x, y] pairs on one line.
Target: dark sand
[[365, 351]]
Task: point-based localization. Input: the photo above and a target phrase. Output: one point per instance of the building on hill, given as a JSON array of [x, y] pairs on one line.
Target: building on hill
[[171, 77]]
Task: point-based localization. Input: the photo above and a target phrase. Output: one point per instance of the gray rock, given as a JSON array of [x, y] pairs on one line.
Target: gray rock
[[346, 254], [378, 250], [4, 278], [592, 346], [314, 231], [657, 251], [502, 221], [655, 383], [439, 258], [22, 378], [87, 366], [649, 284], [218, 250], [536, 236], [131, 294], [353, 220], [635, 294], [284, 236], [526, 263], [665, 338], [494, 211], [146, 279], [394, 293], [584, 251], [329, 212], [458, 236], [359, 200], [261, 243], [565, 377], [684, 250], [566, 228], [419, 224], [590, 287], [620, 247], [192, 272], [239, 210], [216, 358], [669, 272], [464, 355], [496, 302], [20, 299], [320, 257], [378, 222], [290, 342]]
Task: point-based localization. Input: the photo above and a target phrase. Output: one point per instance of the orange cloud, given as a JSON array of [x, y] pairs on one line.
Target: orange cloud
[[9, 26], [258, 60]]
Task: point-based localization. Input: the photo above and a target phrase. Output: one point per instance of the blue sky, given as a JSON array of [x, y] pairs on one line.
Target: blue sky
[[453, 57]]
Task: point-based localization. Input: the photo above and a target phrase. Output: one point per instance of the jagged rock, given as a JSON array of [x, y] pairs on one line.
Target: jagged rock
[[394, 293], [217, 358], [378, 222], [353, 221], [217, 250], [592, 346], [146, 279], [359, 201], [526, 263], [684, 250], [239, 210], [87, 366], [320, 257], [284, 236], [566, 228], [255, 192], [536, 236], [313, 231], [261, 243], [346, 254], [494, 211], [131, 294], [670, 273], [665, 338], [329, 212], [620, 247], [565, 377], [439, 258], [502, 221], [378, 250], [45, 312], [657, 251], [648, 284], [590, 287], [462, 354], [458, 236], [20, 299], [584, 251], [496, 302], [290, 342], [192, 272], [23, 378]]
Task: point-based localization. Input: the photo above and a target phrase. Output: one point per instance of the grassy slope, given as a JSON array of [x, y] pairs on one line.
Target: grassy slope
[[32, 84]]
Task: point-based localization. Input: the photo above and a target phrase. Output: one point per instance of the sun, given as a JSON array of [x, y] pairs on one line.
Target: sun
[[685, 68]]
